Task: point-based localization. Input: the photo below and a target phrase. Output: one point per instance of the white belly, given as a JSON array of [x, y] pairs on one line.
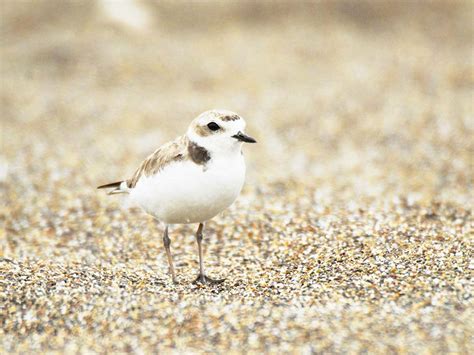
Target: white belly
[[184, 192]]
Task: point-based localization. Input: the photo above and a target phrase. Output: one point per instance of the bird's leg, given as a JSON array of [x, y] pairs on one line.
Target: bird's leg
[[202, 278], [166, 243]]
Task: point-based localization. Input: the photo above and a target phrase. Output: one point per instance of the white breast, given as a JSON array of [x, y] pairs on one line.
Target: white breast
[[185, 192]]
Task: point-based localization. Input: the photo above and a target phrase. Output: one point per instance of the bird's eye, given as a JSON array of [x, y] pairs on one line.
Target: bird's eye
[[213, 126]]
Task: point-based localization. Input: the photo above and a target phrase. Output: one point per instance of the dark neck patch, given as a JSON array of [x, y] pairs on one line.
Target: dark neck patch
[[198, 154]]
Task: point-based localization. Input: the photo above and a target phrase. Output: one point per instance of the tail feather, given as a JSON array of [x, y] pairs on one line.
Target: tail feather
[[112, 184], [120, 187]]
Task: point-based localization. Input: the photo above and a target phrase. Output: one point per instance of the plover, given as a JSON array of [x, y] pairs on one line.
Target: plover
[[191, 179]]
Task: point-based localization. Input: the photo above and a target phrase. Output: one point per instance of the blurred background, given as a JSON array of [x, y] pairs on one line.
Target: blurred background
[[363, 113], [372, 96]]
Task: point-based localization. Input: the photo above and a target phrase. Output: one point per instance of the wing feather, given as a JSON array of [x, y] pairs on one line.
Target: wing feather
[[170, 152]]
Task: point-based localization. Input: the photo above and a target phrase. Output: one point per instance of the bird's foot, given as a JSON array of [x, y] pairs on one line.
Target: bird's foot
[[206, 280]]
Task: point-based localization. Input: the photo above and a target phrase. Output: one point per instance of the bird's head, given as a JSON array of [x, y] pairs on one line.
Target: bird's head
[[219, 131]]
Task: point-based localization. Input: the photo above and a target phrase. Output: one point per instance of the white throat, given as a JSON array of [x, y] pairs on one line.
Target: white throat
[[217, 148]]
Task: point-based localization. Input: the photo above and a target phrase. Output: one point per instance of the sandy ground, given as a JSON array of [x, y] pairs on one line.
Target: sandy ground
[[354, 230]]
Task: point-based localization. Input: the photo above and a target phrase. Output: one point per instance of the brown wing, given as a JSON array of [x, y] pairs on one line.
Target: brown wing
[[173, 151]]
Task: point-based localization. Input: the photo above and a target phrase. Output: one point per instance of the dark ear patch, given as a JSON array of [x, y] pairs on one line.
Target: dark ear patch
[[203, 131], [230, 118], [198, 154]]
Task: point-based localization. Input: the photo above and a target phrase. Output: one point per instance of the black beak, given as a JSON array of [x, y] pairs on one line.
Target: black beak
[[244, 138]]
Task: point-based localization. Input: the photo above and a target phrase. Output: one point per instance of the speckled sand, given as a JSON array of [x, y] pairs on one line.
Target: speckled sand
[[353, 233]]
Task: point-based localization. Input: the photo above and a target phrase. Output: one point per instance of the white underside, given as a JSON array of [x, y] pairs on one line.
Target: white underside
[[185, 192]]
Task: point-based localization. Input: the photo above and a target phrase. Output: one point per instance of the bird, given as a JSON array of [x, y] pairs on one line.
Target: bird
[[191, 179]]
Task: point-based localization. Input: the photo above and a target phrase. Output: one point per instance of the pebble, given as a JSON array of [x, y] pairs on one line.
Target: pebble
[[362, 245]]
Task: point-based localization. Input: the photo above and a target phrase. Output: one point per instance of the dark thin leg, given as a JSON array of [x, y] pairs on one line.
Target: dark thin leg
[[166, 243], [202, 278], [199, 241]]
